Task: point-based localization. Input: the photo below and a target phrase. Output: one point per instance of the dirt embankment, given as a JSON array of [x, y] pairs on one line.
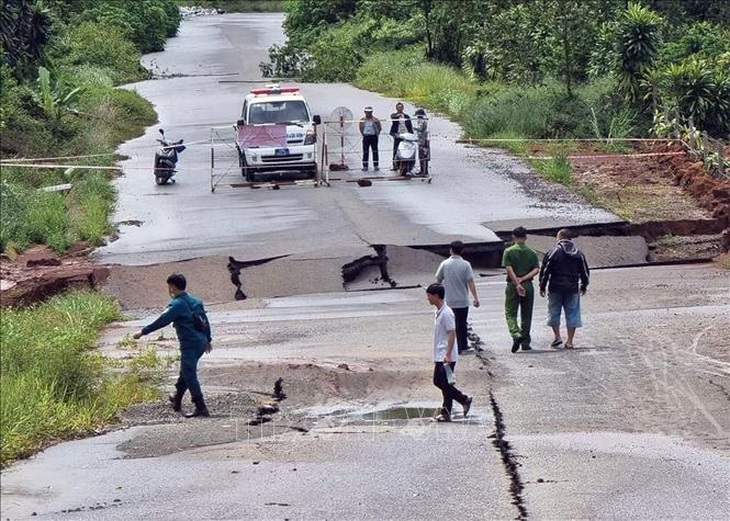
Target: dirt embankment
[[681, 209], [39, 273]]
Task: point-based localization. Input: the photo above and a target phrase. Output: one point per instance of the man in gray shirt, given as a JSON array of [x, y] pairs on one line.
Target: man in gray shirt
[[457, 277]]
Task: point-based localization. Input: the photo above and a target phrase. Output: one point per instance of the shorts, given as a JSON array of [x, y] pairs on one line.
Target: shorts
[[568, 301]]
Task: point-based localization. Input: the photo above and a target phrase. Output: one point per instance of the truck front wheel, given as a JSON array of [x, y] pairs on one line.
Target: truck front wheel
[[246, 171]]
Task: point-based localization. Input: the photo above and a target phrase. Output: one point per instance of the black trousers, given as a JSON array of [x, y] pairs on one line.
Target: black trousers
[[449, 392], [396, 142], [370, 142], [460, 316]]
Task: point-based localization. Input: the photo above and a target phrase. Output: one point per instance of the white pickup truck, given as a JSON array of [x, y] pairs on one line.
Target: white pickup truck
[[276, 136]]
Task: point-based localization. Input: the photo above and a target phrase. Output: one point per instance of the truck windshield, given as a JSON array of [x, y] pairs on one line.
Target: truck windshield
[[278, 112]]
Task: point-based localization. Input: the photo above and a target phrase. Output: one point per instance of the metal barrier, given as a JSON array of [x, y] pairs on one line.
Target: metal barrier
[[341, 153], [338, 149], [227, 169]]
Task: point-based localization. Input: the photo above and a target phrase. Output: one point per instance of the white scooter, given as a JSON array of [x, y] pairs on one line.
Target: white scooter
[[406, 153]]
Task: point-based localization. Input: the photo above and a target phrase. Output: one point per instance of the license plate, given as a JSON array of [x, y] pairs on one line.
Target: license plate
[[281, 152]]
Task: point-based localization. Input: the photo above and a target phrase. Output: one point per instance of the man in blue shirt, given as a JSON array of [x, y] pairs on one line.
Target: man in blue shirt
[[185, 313]]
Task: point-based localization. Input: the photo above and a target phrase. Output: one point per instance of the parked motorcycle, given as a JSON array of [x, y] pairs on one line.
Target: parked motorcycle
[[406, 153], [166, 159]]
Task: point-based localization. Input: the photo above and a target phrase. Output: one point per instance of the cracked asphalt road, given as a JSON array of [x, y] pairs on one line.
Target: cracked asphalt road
[[634, 423]]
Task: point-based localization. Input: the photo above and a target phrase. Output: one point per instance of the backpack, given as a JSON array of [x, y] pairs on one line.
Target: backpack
[[200, 319]]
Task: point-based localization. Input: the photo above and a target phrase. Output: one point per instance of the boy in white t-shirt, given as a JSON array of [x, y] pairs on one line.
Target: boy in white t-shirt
[[444, 353]]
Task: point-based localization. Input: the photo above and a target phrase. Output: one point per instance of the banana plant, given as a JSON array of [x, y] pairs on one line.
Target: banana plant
[[56, 98]]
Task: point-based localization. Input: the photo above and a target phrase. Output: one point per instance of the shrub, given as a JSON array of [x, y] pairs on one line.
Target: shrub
[[147, 23], [101, 45], [546, 112], [389, 72], [519, 112], [700, 39]]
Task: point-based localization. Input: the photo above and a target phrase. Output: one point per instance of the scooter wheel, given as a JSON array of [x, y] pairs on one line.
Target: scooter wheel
[[160, 180]]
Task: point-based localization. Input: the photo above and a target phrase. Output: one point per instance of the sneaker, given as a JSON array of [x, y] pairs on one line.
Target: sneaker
[[467, 405], [376, 169], [526, 347], [443, 418], [516, 344], [365, 169]]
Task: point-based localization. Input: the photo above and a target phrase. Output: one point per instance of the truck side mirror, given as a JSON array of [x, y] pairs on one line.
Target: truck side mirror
[[317, 120], [240, 123]]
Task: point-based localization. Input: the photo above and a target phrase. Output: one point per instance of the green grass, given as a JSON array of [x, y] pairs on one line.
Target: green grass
[[405, 74], [556, 169], [53, 385], [59, 219]]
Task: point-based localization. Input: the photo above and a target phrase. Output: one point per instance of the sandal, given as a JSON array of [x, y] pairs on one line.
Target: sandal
[[569, 346], [556, 344]]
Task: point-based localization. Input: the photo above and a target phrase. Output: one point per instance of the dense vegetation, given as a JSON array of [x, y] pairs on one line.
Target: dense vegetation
[[525, 68], [60, 63], [53, 385]]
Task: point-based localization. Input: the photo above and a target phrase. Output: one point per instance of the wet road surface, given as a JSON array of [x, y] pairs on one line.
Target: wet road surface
[[217, 60], [632, 424]]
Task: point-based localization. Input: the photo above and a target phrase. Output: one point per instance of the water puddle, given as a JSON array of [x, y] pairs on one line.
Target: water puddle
[[399, 413]]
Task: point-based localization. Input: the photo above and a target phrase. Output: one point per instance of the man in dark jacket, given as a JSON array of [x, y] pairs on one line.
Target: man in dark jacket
[[400, 124], [193, 341], [564, 273]]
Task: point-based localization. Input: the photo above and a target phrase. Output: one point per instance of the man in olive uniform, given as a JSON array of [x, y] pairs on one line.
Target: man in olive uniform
[[522, 265]]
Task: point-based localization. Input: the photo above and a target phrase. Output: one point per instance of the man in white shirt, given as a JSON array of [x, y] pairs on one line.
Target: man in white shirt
[[370, 130], [458, 279], [444, 354]]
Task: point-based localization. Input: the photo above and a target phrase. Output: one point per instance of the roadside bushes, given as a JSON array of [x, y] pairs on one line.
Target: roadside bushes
[[74, 110], [406, 74], [337, 53], [147, 23], [99, 47], [546, 112]]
